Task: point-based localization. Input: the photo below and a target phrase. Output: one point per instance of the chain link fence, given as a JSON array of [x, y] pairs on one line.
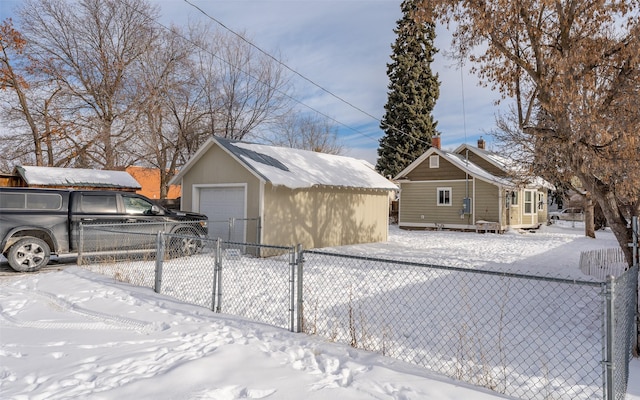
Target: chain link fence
[[525, 336]]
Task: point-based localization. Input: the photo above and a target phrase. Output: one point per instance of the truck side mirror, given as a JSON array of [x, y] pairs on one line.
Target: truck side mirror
[[155, 210]]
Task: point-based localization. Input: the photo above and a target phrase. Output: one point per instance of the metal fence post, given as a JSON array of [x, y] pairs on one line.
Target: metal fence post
[[231, 226], [216, 261], [300, 306], [80, 242], [292, 289], [636, 242], [217, 279], [157, 286], [258, 230], [609, 391]]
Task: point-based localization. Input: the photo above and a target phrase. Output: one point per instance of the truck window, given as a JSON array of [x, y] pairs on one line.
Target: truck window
[[30, 201], [136, 205], [99, 204], [42, 201], [13, 201]]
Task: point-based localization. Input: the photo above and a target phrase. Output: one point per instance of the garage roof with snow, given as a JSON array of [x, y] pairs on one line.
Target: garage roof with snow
[[295, 168]]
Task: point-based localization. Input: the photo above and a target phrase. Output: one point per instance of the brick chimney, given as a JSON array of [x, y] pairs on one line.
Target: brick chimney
[[435, 141], [481, 143]]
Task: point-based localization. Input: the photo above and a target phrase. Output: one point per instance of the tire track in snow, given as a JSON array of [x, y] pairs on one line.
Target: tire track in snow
[[103, 320]]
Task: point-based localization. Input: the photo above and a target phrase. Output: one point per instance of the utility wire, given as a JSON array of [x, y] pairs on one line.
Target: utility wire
[[308, 80], [257, 79], [285, 66]]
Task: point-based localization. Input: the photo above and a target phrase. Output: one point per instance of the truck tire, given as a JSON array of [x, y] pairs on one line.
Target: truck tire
[[187, 243], [28, 254]]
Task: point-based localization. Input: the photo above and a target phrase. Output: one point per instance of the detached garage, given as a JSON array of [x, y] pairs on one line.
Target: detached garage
[[295, 196]]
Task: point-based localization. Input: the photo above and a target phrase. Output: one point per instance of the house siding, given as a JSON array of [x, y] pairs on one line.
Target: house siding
[[445, 171], [324, 217], [484, 164], [418, 203], [487, 198]]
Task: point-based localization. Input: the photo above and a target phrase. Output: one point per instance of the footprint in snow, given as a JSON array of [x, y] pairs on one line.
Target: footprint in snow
[[232, 393]]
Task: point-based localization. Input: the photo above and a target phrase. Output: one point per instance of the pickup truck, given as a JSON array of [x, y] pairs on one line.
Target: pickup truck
[[35, 223]]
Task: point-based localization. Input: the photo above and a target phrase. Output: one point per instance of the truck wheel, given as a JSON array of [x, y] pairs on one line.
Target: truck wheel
[[187, 244], [28, 254]]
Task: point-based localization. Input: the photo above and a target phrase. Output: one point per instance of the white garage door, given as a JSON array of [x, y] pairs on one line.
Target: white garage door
[[220, 204]]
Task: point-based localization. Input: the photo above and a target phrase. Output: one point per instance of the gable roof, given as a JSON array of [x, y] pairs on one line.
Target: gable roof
[[76, 177], [458, 159], [295, 168]]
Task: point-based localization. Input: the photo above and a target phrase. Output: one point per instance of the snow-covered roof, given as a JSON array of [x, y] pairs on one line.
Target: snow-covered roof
[[504, 163], [472, 169], [460, 161], [76, 177], [294, 168]]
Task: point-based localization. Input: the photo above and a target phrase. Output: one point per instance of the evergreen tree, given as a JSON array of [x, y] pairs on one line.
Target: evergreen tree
[[413, 91]]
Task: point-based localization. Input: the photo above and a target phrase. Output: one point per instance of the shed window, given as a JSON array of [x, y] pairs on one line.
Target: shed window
[[434, 161], [444, 196]]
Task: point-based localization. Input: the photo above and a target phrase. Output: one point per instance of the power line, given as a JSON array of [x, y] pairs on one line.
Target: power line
[[308, 80], [257, 79], [281, 63]]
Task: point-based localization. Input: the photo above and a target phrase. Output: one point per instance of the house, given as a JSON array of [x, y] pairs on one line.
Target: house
[[72, 178], [470, 188], [149, 179], [296, 196]]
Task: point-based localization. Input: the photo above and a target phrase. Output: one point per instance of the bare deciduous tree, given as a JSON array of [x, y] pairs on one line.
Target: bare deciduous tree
[[573, 69], [251, 87], [13, 43], [89, 47], [303, 131]]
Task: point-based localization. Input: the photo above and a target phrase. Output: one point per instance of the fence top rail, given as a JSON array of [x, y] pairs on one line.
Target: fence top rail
[[265, 246], [460, 269]]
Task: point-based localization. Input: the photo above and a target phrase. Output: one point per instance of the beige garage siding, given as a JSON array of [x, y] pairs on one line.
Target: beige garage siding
[[323, 217], [216, 167]]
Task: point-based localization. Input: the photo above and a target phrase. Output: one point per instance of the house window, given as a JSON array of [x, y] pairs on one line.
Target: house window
[[540, 201], [444, 196], [529, 198], [434, 161], [514, 198]]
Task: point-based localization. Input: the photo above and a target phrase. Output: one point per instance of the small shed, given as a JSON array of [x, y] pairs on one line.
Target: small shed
[[73, 178], [294, 196]]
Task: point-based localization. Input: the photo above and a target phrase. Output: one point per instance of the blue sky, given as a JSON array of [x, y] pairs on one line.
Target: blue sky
[[344, 46]]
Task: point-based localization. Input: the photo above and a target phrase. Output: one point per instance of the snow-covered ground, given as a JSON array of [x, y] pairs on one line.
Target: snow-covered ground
[[76, 334]]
